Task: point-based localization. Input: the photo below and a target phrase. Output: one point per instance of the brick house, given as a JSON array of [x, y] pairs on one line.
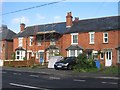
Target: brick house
[[6, 43], [94, 36], [39, 42], [70, 38]]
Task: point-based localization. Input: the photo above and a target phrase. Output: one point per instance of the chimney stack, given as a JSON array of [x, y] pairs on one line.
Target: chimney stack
[[69, 20], [22, 27], [76, 19]]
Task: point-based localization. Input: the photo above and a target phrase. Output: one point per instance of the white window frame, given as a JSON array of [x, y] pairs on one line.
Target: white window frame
[[20, 41], [31, 40], [52, 43], [74, 34], [21, 55], [92, 39], [102, 58], [37, 55], [105, 37], [76, 53]]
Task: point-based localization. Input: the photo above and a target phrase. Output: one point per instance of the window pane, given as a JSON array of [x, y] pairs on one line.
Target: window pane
[[17, 57], [102, 55], [106, 39], [107, 55], [92, 38], [18, 52], [106, 35], [75, 38], [72, 53], [110, 55]]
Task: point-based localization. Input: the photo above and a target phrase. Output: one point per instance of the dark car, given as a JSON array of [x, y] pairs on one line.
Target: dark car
[[66, 63]]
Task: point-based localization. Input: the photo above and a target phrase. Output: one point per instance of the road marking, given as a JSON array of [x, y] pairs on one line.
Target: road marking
[[4, 72], [57, 78], [78, 80], [109, 82], [34, 75], [17, 73], [109, 77], [26, 86]]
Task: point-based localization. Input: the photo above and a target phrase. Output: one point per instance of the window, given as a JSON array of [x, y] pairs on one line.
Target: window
[[105, 37], [20, 55], [74, 38], [31, 41], [102, 55], [52, 42], [20, 42], [91, 37], [72, 53], [39, 43]]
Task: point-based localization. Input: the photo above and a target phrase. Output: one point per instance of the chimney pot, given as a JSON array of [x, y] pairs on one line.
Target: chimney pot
[[22, 27]]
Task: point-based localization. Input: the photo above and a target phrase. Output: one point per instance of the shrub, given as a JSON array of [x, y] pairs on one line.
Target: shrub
[[83, 64]]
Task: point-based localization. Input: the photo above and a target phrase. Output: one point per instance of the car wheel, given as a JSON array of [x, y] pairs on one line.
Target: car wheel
[[69, 67]]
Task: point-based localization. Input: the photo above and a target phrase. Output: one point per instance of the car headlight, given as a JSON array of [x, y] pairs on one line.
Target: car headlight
[[66, 64]]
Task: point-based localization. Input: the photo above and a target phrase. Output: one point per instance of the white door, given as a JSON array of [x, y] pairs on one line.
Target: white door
[[108, 58]]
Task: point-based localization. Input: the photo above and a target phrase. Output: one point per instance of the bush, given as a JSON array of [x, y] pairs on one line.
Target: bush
[[83, 64]]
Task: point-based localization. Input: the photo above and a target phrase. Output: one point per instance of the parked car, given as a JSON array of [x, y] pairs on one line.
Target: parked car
[[66, 63]]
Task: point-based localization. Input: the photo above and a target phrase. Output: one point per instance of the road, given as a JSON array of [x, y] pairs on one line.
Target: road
[[44, 81]]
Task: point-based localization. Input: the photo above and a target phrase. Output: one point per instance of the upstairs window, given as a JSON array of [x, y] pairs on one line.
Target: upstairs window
[[52, 42], [91, 34], [31, 41], [74, 38], [105, 37], [20, 42]]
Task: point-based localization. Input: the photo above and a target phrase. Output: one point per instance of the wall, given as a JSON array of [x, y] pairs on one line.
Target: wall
[[83, 40]]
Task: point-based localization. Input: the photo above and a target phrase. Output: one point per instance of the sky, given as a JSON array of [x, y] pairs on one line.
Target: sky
[[52, 13]]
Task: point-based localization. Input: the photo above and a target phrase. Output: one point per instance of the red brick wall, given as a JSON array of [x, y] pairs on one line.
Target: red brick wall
[[83, 40], [7, 50]]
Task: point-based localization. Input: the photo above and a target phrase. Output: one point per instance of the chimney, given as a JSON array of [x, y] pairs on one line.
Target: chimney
[[76, 19], [69, 20], [22, 27]]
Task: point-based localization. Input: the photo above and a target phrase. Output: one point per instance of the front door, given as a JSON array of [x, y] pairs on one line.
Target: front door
[[108, 58], [41, 57]]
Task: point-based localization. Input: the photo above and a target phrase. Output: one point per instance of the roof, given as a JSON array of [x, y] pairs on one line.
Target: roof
[[52, 47], [74, 47], [32, 30], [95, 25], [80, 26], [6, 34], [20, 48]]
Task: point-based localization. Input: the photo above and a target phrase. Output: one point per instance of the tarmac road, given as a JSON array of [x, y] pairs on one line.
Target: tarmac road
[[14, 78]]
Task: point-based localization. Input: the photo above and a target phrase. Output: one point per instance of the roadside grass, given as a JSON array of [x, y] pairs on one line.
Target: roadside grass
[[102, 69], [111, 70]]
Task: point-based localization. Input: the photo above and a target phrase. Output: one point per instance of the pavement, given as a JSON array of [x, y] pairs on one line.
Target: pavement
[[62, 73]]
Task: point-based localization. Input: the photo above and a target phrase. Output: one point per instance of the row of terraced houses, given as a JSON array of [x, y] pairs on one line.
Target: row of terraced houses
[[98, 38]]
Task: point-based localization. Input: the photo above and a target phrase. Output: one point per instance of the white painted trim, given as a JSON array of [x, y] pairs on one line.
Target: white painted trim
[[90, 33], [20, 39], [72, 38], [29, 51], [105, 37], [40, 50], [31, 37]]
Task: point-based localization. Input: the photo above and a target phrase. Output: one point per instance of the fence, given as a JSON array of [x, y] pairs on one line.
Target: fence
[[19, 63]]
